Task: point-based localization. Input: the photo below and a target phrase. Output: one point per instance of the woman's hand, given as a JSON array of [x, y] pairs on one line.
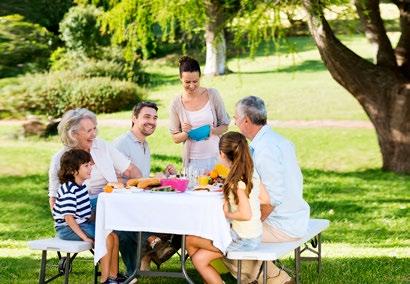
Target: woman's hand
[[186, 127], [88, 240]]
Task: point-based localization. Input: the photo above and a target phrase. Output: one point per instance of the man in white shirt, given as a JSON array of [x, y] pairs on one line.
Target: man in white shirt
[[284, 212], [133, 144]]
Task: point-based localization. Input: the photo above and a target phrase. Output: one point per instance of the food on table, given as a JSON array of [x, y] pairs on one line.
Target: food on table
[[201, 189], [164, 188], [133, 182], [218, 174], [148, 182], [109, 187]]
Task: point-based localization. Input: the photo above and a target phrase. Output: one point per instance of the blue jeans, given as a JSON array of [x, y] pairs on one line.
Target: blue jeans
[[93, 203], [66, 233], [239, 243]]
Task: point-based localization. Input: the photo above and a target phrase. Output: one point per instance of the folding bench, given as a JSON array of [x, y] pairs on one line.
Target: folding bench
[[65, 263], [274, 251]]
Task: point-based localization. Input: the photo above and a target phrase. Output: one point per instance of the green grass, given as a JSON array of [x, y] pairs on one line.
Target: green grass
[[368, 208]]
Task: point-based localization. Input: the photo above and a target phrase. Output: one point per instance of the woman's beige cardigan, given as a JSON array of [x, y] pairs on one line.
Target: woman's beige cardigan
[[178, 115]]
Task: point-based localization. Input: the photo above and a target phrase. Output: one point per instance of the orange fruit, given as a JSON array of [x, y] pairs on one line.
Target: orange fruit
[[222, 170], [213, 174], [108, 188]]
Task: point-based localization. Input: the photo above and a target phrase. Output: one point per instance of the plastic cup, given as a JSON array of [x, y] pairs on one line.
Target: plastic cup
[[203, 180]]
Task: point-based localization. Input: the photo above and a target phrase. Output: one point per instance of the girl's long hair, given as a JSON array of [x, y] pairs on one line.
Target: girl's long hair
[[236, 149]]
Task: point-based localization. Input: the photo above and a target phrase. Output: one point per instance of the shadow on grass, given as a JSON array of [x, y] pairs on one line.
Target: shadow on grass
[[334, 270]]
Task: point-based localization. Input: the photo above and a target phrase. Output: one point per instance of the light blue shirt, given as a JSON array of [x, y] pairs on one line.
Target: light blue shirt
[[275, 162], [137, 151]]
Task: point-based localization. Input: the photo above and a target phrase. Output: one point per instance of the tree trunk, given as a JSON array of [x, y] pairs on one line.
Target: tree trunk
[[215, 40], [215, 53], [382, 89]]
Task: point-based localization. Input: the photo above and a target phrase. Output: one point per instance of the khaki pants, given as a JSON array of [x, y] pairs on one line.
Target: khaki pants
[[250, 268]]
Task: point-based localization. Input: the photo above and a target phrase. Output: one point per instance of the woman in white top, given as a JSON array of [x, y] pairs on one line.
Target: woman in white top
[[78, 129], [197, 118], [241, 207]]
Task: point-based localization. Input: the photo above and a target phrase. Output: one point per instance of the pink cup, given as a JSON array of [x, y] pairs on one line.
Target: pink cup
[[179, 184]]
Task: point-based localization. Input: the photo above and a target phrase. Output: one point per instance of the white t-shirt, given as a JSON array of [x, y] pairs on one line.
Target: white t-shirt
[[107, 162], [208, 148]]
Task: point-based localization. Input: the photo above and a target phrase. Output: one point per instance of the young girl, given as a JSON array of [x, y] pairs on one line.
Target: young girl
[[241, 207], [72, 210]]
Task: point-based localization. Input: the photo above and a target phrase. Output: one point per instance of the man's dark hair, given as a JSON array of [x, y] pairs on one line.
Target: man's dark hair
[[70, 163], [137, 108], [188, 64]]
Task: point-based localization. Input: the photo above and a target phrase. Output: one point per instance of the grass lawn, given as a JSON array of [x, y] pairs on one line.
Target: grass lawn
[[368, 208], [368, 240]]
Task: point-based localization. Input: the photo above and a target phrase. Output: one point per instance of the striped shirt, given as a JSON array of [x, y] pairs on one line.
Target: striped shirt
[[74, 200]]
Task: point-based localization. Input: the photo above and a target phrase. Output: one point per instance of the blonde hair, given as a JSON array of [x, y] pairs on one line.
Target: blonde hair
[[70, 123], [236, 149]]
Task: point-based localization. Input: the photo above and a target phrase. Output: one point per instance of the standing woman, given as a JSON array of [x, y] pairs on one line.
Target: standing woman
[[197, 118]]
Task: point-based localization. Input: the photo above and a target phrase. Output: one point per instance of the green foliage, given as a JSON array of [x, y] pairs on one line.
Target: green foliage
[[47, 13], [24, 47], [80, 30], [109, 62], [54, 93]]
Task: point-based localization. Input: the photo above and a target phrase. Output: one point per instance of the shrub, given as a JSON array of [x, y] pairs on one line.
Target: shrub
[[24, 47], [54, 93], [80, 30]]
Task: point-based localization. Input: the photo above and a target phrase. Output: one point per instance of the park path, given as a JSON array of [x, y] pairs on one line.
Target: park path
[[275, 123]]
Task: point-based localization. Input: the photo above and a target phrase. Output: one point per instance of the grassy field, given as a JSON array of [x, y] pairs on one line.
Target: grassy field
[[368, 240]]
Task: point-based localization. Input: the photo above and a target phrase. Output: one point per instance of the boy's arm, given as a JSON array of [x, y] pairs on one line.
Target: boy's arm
[[69, 219]]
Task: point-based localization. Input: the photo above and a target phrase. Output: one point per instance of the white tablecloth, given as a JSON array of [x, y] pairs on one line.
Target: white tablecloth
[[163, 212]]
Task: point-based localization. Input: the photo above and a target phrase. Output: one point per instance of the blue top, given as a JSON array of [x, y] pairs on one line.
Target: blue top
[[275, 162]]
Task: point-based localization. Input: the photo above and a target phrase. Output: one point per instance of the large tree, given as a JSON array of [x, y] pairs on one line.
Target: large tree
[[135, 24], [382, 87]]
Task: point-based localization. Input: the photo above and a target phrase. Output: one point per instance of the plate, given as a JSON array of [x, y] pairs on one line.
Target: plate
[[132, 189], [204, 192]]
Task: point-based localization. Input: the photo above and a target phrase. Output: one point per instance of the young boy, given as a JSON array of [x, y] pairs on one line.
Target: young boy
[[72, 210]]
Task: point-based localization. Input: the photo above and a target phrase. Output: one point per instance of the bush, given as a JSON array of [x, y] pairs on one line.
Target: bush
[[24, 47], [80, 30], [109, 62], [54, 93]]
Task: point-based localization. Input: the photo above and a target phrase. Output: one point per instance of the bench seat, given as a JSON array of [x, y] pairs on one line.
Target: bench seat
[[65, 263], [274, 251]]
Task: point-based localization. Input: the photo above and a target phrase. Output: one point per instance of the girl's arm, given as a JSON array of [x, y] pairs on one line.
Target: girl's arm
[[69, 219], [244, 212]]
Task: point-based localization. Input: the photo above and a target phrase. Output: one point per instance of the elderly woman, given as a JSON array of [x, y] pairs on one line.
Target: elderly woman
[[197, 118], [78, 129]]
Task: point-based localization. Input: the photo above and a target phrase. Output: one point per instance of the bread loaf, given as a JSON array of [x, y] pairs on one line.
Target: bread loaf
[[148, 182], [133, 182]]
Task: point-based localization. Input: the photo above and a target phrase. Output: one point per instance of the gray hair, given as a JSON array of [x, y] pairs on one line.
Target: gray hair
[[70, 123], [254, 108]]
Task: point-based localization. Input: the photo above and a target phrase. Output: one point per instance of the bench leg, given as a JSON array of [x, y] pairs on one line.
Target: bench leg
[[42, 277], [297, 265], [67, 268], [239, 272], [96, 273], [319, 255]]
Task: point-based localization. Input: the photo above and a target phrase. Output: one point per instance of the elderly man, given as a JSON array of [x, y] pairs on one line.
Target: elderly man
[[284, 213], [133, 144]]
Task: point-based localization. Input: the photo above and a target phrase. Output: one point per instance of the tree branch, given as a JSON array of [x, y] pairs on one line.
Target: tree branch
[[369, 14]]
